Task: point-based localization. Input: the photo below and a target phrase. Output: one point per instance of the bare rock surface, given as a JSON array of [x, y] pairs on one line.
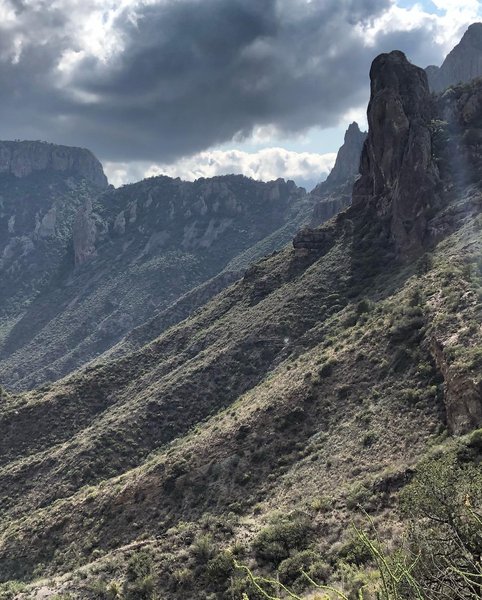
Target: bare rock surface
[[462, 64]]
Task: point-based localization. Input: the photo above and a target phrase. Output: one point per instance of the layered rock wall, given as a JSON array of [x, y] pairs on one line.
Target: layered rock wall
[[23, 158]]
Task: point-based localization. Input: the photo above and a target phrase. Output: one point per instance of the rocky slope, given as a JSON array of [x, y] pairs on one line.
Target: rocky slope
[[462, 64], [256, 426]]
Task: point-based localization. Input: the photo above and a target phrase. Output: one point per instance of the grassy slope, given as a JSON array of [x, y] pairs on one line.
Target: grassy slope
[[287, 390]]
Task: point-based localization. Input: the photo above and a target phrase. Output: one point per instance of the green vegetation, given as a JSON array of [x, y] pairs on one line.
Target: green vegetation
[[440, 556], [284, 534]]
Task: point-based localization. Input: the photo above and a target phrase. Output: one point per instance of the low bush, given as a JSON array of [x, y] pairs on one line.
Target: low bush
[[286, 533]]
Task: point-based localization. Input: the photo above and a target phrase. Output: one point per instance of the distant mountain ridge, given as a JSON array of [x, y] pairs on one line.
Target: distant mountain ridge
[[121, 256]]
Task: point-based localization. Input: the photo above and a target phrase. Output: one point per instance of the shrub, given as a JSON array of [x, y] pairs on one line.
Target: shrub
[[443, 504], [203, 548], [139, 566], [355, 552], [113, 590], [358, 495], [139, 584], [274, 542], [290, 569], [141, 589], [221, 566], [369, 438], [327, 369], [363, 306]]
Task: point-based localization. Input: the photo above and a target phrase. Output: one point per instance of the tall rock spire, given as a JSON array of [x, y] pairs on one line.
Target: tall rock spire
[[399, 177]]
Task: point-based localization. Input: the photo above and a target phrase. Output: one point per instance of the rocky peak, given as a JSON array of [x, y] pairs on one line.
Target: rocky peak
[[347, 160], [398, 175], [23, 158], [334, 194], [462, 64]]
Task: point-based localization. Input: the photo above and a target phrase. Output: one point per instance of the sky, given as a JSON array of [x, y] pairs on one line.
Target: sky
[[197, 88]]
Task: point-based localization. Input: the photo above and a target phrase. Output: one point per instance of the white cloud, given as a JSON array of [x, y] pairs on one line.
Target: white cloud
[[444, 25], [306, 168]]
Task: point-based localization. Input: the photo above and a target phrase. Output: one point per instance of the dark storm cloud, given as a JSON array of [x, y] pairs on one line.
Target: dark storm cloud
[[191, 73]]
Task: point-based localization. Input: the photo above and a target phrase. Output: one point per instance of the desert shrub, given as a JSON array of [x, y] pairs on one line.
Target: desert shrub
[[242, 587], [407, 326], [443, 505], [10, 589], [139, 584], [220, 566], [358, 495], [182, 577], [321, 503], [369, 438], [290, 569], [285, 533], [363, 306], [203, 548], [327, 369], [113, 590], [411, 395], [141, 589], [354, 552], [139, 565]]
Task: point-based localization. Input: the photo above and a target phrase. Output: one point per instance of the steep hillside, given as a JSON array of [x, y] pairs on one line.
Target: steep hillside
[[122, 256], [324, 202], [257, 426]]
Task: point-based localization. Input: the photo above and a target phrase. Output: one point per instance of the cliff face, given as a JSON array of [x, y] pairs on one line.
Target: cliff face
[[462, 64], [399, 178], [23, 158], [37, 213], [457, 134]]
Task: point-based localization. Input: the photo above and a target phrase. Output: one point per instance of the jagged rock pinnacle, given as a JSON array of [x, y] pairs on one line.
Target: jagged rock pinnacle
[[398, 175]]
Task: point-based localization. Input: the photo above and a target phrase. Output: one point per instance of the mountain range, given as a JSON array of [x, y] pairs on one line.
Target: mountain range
[[230, 369]]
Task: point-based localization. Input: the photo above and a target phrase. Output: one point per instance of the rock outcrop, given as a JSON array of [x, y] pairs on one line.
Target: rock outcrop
[[463, 393], [399, 178], [23, 158], [318, 240], [462, 64], [84, 235], [347, 162], [334, 194], [457, 134]]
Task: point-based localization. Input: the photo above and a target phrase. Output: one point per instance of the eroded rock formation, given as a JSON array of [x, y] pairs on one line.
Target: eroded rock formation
[[399, 178], [334, 194]]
